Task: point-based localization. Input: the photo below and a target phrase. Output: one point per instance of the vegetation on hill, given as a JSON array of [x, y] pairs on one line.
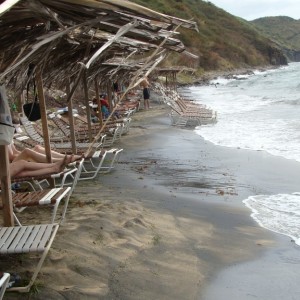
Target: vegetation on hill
[[284, 31], [224, 42]]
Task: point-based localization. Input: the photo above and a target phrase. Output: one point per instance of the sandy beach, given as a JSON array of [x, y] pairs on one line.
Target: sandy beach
[[169, 223]]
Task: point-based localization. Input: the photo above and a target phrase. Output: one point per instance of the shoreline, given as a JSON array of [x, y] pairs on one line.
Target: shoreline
[[250, 173], [207, 76], [168, 222]]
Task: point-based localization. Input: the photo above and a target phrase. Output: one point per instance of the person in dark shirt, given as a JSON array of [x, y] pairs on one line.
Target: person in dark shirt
[[146, 92]]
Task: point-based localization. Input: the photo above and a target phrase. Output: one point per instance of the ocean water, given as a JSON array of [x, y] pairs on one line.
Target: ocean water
[[259, 112]]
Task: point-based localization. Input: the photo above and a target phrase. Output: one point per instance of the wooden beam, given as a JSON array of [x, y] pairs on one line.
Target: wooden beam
[[98, 102], [8, 218], [71, 119], [109, 94], [20, 102], [41, 96], [88, 112]]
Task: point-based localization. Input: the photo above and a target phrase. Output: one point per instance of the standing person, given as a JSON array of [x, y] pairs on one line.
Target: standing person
[[116, 87], [146, 92]]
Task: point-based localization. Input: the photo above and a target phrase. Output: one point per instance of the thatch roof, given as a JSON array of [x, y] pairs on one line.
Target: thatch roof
[[62, 36]]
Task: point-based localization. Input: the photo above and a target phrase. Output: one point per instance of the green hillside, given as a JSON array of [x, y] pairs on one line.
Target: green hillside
[[285, 31], [224, 42]]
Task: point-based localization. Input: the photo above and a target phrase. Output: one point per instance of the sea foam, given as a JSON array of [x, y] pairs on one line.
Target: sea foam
[[260, 112]]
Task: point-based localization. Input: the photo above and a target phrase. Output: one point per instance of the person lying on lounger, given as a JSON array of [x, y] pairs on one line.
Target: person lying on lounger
[[23, 168], [37, 154]]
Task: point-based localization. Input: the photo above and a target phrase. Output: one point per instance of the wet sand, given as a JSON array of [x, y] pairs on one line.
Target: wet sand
[[169, 223]]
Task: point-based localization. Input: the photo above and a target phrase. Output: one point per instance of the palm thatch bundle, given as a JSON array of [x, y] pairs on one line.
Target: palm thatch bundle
[[106, 38]]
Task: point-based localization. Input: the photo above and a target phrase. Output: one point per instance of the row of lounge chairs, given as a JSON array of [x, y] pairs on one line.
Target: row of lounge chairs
[[185, 112], [39, 238]]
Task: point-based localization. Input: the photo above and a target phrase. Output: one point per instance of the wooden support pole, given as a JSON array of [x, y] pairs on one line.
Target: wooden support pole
[[109, 94], [173, 86], [20, 103], [75, 84], [112, 95], [88, 113], [8, 218], [174, 83], [98, 102], [71, 119], [41, 96]]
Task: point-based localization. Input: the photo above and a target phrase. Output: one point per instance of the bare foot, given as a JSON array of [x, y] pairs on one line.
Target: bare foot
[[60, 165], [87, 154], [65, 162], [70, 159], [76, 157]]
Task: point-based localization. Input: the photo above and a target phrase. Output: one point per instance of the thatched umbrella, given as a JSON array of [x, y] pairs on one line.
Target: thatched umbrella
[[68, 39]]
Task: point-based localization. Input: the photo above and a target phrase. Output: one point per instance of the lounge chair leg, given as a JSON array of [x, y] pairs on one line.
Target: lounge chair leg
[[25, 289]]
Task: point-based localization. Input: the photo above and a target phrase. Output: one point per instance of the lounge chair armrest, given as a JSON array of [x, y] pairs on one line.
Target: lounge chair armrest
[[64, 175]]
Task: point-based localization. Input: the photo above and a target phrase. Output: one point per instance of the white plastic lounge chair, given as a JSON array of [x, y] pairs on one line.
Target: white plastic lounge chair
[[71, 183], [110, 163], [63, 190], [115, 136], [58, 146], [82, 134], [27, 239], [92, 165], [43, 197], [38, 182], [74, 176], [3, 284], [99, 163]]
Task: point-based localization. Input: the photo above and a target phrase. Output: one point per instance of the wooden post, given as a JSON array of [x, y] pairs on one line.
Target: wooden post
[[174, 82], [41, 96], [98, 102], [110, 95], [109, 89], [20, 103], [8, 218], [88, 113], [71, 119]]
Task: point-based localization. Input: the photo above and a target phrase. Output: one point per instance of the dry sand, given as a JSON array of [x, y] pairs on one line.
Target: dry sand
[[164, 222]]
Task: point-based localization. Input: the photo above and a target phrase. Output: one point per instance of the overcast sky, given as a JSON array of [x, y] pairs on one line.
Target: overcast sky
[[253, 9]]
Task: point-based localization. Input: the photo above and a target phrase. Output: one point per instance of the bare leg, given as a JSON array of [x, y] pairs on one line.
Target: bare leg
[[56, 156], [146, 103], [42, 150], [23, 168], [32, 156], [39, 157]]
